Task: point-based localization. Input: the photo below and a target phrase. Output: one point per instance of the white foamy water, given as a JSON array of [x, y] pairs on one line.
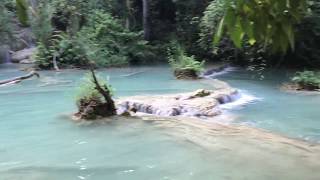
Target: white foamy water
[[240, 100], [219, 73]]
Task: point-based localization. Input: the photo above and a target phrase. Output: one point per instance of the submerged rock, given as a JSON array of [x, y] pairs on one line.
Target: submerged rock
[[296, 88], [93, 109], [97, 103], [201, 103], [186, 74]]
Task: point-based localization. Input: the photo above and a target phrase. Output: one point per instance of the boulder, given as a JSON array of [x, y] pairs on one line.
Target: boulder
[[92, 109], [28, 61], [23, 55], [186, 74]]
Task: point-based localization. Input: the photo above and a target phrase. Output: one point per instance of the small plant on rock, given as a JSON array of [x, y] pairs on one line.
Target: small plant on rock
[[94, 99], [307, 80], [184, 66]]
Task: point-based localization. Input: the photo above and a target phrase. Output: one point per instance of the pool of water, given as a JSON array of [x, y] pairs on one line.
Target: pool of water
[[294, 115], [38, 141]]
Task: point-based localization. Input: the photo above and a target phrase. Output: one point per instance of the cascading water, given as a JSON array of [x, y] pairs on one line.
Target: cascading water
[[211, 73], [237, 100], [7, 58], [234, 100]]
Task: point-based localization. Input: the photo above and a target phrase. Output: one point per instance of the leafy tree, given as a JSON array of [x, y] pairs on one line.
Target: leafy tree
[[41, 23], [22, 12], [208, 26], [6, 31], [308, 38], [268, 22], [113, 44]]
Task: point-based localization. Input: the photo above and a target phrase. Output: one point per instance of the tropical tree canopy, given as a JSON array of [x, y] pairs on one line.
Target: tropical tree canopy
[[267, 22]]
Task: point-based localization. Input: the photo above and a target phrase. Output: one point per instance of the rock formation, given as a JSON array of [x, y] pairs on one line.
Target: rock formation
[[201, 103], [186, 74], [23, 56], [93, 107]]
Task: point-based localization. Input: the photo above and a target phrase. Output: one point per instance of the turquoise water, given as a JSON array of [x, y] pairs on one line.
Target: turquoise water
[[39, 142], [294, 115]]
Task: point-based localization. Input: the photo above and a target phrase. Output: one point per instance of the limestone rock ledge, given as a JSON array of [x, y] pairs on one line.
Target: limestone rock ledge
[[23, 56], [201, 103]]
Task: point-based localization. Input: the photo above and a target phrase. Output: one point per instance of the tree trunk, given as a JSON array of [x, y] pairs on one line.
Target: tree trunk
[[146, 20], [91, 108], [105, 92], [54, 62], [128, 6]]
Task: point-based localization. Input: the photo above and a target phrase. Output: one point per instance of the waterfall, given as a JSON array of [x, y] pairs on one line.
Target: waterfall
[[211, 73], [230, 98], [238, 100], [7, 57]]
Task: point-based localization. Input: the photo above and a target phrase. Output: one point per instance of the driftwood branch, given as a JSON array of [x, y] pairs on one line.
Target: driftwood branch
[[20, 78]]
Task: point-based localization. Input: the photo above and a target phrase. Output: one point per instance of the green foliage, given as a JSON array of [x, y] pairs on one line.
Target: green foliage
[[308, 38], [43, 56], [179, 60], [70, 15], [41, 23], [209, 22], [22, 12], [112, 44], [102, 38], [307, 79], [67, 50], [268, 22], [188, 15], [10, 5], [87, 90], [6, 31]]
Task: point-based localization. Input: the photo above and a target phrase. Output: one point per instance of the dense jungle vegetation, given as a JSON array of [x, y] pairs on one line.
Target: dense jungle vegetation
[[74, 33]]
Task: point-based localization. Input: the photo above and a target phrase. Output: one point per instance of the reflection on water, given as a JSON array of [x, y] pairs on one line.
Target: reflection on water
[[38, 141]]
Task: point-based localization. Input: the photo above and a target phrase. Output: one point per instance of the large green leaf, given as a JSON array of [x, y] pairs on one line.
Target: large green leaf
[[219, 32], [22, 12]]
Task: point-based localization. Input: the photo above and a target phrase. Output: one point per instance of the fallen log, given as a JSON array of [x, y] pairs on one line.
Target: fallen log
[[19, 78]]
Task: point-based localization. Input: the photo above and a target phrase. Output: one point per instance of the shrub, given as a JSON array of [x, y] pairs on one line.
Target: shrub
[[102, 40], [10, 5], [209, 23], [22, 12], [113, 44], [270, 23], [87, 89], [179, 60], [309, 80], [67, 51], [95, 99], [41, 23]]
